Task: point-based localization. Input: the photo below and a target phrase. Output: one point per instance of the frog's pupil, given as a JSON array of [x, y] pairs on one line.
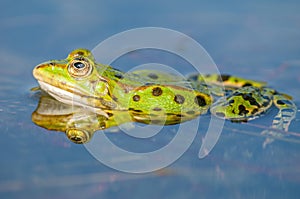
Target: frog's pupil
[[79, 65], [76, 139], [80, 53]]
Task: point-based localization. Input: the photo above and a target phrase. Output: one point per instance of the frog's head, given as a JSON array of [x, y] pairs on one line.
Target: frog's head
[[73, 80]]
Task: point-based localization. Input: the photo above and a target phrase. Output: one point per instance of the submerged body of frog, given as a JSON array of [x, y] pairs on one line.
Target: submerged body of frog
[[155, 97]]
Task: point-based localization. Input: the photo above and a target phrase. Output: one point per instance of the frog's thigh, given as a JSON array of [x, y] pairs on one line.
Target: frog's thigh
[[242, 105]]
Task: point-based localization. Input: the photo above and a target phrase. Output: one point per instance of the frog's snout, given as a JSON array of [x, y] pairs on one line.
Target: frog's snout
[[37, 71]]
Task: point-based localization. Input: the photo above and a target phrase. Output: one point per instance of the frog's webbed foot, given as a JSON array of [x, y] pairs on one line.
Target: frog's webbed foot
[[287, 112]]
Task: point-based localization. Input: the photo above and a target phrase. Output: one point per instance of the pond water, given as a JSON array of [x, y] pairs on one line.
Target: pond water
[[254, 40]]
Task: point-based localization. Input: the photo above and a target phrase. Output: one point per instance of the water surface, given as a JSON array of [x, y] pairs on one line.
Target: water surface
[[254, 40]]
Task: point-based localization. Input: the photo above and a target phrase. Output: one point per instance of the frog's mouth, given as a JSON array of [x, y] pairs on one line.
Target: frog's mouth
[[68, 97]]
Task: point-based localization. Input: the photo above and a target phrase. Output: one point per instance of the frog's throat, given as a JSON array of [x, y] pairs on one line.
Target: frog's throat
[[69, 98]]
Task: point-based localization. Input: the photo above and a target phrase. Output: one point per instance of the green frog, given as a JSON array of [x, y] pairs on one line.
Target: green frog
[[155, 97]]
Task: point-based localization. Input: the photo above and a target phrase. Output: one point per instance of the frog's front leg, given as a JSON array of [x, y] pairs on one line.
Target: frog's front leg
[[287, 112]]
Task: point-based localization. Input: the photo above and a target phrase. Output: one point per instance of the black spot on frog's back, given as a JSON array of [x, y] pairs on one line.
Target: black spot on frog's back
[[200, 101], [252, 100], [153, 76], [242, 110], [223, 78], [157, 91], [246, 84], [119, 76], [136, 98], [230, 102], [179, 99]]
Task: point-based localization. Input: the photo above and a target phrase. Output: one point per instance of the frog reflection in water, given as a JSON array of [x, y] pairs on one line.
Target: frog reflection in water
[[152, 97]]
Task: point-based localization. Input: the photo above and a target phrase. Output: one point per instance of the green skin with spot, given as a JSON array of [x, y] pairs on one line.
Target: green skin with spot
[[150, 96]]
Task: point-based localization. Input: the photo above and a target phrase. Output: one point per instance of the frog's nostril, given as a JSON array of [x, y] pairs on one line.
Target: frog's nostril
[[38, 70]]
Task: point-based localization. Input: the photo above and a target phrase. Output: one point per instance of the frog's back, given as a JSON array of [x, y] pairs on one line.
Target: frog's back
[[160, 97]]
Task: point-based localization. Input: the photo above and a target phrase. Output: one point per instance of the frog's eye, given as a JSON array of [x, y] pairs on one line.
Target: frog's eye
[[80, 67], [78, 136]]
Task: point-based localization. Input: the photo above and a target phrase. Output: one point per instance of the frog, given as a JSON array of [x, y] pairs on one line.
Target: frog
[[156, 97]]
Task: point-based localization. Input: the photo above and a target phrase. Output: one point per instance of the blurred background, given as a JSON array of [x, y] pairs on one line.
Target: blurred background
[[254, 39]]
